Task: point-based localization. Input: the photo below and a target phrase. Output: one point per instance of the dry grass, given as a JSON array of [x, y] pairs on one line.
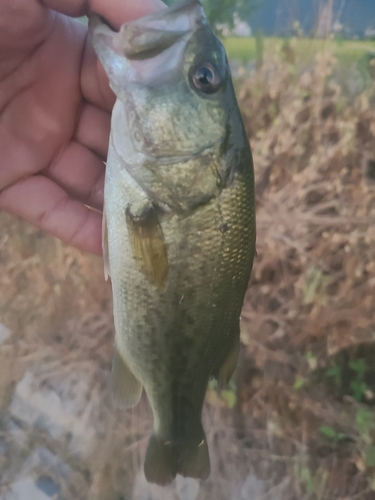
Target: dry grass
[[310, 309], [309, 312]]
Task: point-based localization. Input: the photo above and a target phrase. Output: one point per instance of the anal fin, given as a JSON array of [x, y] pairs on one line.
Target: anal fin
[[227, 368], [126, 388], [148, 245]]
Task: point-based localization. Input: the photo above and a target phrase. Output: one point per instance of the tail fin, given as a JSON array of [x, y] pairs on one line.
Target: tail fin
[[165, 459]]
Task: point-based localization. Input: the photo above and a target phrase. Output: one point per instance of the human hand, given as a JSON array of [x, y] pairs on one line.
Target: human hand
[[55, 106]]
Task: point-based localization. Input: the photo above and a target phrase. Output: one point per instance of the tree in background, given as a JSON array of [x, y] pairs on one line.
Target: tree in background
[[224, 12]]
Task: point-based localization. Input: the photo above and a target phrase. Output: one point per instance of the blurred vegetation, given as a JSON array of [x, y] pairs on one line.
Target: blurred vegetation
[[226, 11], [309, 317], [305, 49]]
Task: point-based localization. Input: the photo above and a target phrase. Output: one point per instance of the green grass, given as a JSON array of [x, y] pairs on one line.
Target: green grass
[[346, 51]]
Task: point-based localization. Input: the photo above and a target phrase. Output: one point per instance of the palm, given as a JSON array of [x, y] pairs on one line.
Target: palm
[[54, 119]]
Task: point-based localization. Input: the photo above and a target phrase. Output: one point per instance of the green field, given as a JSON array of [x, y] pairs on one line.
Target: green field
[[346, 51]]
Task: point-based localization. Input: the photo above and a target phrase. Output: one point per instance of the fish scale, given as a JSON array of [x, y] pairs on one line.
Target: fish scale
[[178, 225]]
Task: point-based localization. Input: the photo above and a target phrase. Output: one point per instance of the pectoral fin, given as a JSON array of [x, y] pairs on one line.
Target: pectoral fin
[[147, 241], [107, 271], [227, 368], [126, 388]]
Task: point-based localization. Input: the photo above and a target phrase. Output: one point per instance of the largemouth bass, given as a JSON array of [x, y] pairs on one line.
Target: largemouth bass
[[179, 224]]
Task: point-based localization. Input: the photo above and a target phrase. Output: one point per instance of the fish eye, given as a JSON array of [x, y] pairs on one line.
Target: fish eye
[[206, 78]]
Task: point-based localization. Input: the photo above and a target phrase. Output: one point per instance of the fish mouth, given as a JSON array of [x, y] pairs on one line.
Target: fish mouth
[[99, 25], [148, 36], [148, 51], [98, 20]]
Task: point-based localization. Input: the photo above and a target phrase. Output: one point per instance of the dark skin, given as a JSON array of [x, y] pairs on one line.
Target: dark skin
[[55, 106]]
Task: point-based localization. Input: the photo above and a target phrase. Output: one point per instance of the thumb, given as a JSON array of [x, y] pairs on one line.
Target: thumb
[[116, 12]]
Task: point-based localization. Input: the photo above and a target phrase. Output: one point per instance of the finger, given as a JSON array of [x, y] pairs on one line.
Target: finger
[[94, 81], [93, 129], [21, 24], [117, 11], [40, 201], [41, 113], [80, 173]]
